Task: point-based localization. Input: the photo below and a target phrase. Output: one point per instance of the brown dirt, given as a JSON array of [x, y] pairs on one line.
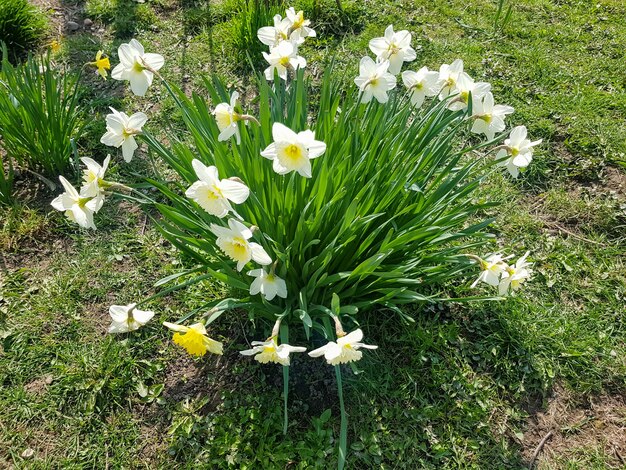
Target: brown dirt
[[615, 182], [33, 253], [577, 426], [39, 385], [311, 382], [154, 440], [209, 377], [43, 442], [97, 316]]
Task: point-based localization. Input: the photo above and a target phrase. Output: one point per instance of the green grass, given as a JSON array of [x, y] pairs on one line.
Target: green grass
[[453, 390]]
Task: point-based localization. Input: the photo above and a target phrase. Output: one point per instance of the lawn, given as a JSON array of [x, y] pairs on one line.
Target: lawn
[[467, 385]]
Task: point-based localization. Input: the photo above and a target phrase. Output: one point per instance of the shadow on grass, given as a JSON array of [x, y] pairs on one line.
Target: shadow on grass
[[426, 398]]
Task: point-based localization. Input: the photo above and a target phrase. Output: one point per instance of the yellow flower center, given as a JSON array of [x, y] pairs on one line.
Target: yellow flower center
[[418, 86], [373, 82], [284, 61], [514, 151], [393, 48], [486, 117], [213, 193], [192, 341], [464, 96], [268, 354], [129, 132], [224, 118], [293, 152], [299, 20], [240, 248], [82, 201], [130, 320], [137, 67], [89, 176]]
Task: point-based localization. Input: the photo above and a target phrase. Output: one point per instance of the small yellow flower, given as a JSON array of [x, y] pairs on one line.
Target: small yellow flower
[[194, 339], [102, 64], [55, 46]]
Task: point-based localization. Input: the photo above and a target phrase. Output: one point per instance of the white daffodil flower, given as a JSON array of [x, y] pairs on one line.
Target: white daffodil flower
[[281, 31], [233, 241], [121, 132], [93, 176], [227, 118], [78, 207], [515, 275], [448, 76], [421, 84], [136, 66], [268, 284], [271, 351], [492, 268], [214, 195], [374, 80], [291, 151], [519, 149], [299, 25], [489, 118], [127, 318], [346, 349], [194, 339], [282, 58], [466, 87], [394, 47]]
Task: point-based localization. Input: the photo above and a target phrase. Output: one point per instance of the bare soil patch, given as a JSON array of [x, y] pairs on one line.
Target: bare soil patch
[[615, 182], [37, 446], [210, 377], [597, 422], [39, 385], [311, 383]]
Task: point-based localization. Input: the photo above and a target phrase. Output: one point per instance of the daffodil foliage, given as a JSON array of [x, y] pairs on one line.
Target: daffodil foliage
[[385, 216]]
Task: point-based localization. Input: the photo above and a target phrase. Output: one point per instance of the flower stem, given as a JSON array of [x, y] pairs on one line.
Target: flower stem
[[120, 187], [285, 397], [343, 432], [284, 338], [478, 259]]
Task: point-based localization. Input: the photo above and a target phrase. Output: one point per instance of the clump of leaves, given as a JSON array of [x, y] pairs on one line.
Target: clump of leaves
[[40, 115], [22, 26], [387, 216]]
